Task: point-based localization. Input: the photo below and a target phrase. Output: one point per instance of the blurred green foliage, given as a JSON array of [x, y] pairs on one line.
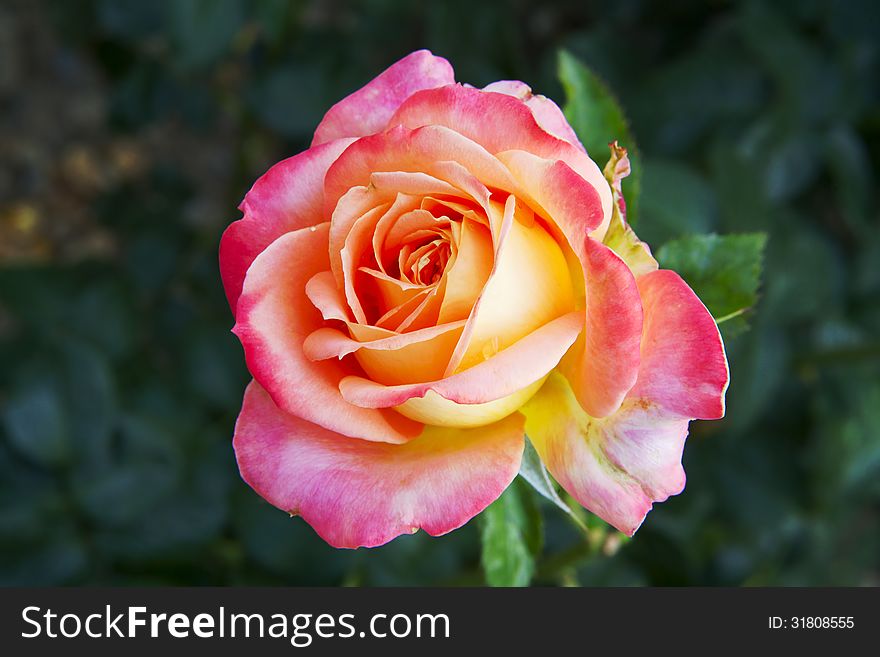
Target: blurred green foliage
[[130, 131], [594, 112]]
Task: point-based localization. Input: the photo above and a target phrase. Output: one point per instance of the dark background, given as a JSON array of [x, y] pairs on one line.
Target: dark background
[[130, 130]]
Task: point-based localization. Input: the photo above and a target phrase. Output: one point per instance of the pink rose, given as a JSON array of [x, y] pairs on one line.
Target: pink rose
[[442, 272]]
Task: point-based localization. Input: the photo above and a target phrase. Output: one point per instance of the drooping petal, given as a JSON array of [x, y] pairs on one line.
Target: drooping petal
[[546, 112], [683, 365], [359, 493], [367, 110], [289, 196], [616, 467], [274, 318], [604, 364]]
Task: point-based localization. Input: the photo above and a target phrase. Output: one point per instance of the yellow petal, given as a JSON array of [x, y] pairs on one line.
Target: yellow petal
[[529, 287], [432, 409]]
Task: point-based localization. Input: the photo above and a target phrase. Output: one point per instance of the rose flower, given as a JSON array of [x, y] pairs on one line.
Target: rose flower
[[443, 272]]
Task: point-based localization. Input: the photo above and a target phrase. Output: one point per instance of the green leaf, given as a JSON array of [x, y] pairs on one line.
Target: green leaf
[[512, 535], [723, 270], [533, 471], [597, 119]]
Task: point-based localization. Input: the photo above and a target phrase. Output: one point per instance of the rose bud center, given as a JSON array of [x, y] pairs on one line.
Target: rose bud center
[[477, 278]]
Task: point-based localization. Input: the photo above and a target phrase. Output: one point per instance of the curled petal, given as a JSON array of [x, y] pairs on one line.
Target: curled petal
[[684, 368], [275, 316], [367, 110], [546, 112], [289, 196], [388, 357], [352, 207], [620, 237], [359, 493], [358, 238], [507, 372], [575, 205], [325, 296], [616, 467]]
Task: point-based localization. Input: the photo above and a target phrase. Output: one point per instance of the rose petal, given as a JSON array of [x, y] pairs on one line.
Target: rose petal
[[512, 127], [546, 112], [325, 296], [359, 201], [604, 364], [388, 357], [367, 110], [407, 311], [529, 286], [573, 204], [616, 467], [684, 368], [289, 196], [387, 292], [507, 372], [275, 316], [467, 276], [358, 493], [359, 237], [425, 150]]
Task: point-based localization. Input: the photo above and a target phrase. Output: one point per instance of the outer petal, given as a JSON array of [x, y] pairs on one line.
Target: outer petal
[[289, 196], [546, 112], [617, 467], [512, 127], [359, 493], [684, 368], [368, 109], [274, 318], [604, 364]]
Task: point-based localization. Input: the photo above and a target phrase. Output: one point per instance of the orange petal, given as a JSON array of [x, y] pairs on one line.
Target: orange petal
[[274, 318], [387, 357]]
